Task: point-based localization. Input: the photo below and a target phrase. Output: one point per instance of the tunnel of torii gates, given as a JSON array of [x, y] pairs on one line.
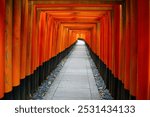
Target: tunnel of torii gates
[[36, 34]]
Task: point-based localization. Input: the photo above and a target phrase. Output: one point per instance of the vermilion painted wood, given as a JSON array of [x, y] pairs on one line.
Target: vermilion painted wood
[[94, 39], [34, 50], [133, 47], [110, 40], [2, 45], [102, 39], [67, 38], [42, 28], [116, 39], [29, 41], [56, 38], [121, 71], [98, 38], [149, 58], [50, 21], [33, 24], [149, 64], [24, 29], [48, 38], [106, 40], [52, 37], [143, 49], [127, 46], [37, 63], [16, 42], [8, 47], [60, 37], [54, 43], [72, 5], [47, 41]]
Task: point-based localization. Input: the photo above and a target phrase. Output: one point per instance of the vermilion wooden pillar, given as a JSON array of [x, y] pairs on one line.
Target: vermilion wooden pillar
[[8, 50], [133, 48], [29, 41], [143, 49], [98, 38], [149, 59], [110, 41], [127, 48], [122, 49], [24, 25], [47, 41], [50, 35], [52, 41], [116, 39], [69, 37], [63, 38], [106, 40], [42, 37], [94, 38], [34, 45], [42, 44], [66, 39], [2, 45], [37, 41], [33, 49], [24, 30], [121, 45], [28, 53], [16, 47], [149, 62], [54, 38], [102, 39], [116, 51]]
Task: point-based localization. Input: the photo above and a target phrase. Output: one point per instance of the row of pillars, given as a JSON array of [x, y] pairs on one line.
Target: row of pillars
[[119, 43], [29, 41], [122, 49]]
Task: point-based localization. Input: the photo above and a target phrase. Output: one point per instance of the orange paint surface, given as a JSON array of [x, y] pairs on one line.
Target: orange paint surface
[[2, 43], [16, 42], [143, 50], [24, 36], [8, 47]]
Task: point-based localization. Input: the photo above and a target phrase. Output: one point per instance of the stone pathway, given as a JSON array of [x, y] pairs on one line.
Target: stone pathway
[[75, 80]]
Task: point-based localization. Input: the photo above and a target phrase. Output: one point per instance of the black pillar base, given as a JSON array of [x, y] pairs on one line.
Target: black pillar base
[[28, 87], [16, 93], [8, 96], [132, 97], [22, 89]]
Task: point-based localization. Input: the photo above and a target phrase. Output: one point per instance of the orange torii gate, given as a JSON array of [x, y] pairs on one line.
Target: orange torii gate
[[38, 33]]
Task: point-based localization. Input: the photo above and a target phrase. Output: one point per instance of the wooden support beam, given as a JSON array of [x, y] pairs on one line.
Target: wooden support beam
[[143, 49], [2, 45], [133, 48], [78, 1], [8, 47], [16, 41], [24, 28], [24, 36]]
